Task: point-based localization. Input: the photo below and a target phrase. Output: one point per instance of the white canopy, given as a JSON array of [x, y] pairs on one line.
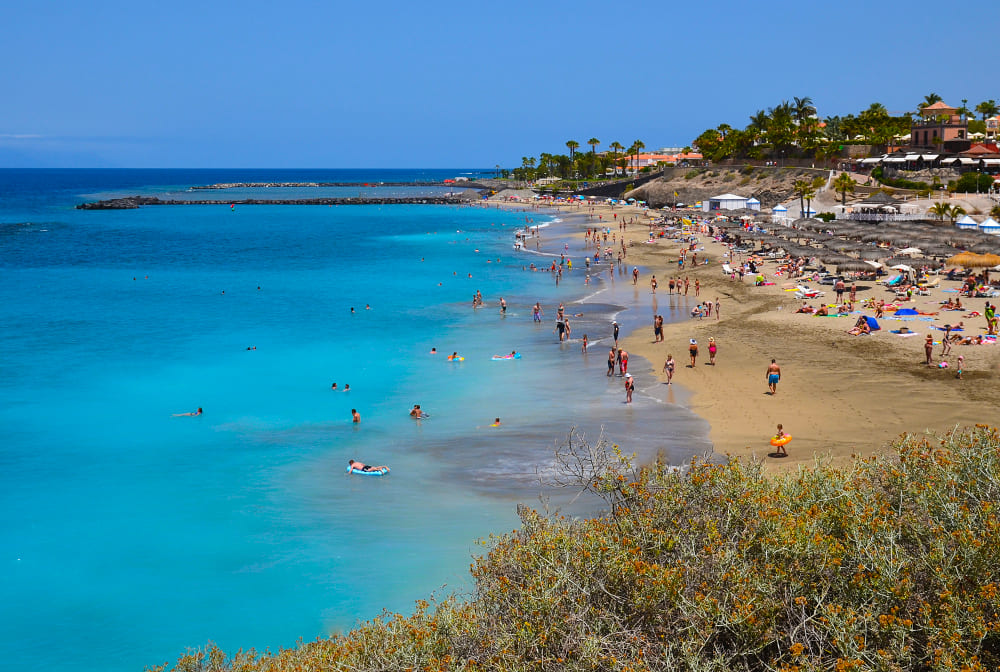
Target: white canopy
[[967, 220], [990, 225], [929, 157], [992, 162], [870, 160], [779, 208], [912, 157]]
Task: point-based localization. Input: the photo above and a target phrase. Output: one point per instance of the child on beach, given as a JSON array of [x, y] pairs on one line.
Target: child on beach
[[961, 361], [780, 445], [585, 343]]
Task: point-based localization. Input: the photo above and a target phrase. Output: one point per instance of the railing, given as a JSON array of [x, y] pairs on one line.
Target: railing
[[878, 217]]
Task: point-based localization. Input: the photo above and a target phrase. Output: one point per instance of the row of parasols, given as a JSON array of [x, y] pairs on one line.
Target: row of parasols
[[854, 246]]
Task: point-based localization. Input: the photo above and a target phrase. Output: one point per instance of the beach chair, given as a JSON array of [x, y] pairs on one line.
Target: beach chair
[[727, 269], [807, 293], [893, 281]]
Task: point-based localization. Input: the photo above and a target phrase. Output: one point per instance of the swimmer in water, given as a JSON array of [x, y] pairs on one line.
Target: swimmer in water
[[191, 413], [347, 387], [333, 386]]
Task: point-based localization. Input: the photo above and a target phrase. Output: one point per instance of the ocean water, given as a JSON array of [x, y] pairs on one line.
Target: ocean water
[[128, 535]]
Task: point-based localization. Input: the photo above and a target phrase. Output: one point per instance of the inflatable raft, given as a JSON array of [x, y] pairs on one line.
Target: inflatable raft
[[371, 472]]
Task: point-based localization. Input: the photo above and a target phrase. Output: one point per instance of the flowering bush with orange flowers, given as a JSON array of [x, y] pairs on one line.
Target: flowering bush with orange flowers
[[890, 564]]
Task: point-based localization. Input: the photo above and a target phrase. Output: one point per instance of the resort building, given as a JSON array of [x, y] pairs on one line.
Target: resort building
[[940, 127], [992, 127]]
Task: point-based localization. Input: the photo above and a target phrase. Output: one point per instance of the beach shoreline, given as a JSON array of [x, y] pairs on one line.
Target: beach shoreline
[[839, 395]]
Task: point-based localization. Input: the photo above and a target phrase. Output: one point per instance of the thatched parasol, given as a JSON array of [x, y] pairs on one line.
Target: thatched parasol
[[973, 260], [853, 265]]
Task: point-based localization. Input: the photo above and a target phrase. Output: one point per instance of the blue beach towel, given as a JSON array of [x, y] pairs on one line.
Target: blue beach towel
[[907, 311], [872, 323]]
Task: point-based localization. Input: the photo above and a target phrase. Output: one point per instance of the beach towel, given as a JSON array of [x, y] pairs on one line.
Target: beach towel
[[906, 334], [907, 311], [872, 323]]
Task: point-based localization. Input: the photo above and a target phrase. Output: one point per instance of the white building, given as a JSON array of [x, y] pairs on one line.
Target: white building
[[725, 202]]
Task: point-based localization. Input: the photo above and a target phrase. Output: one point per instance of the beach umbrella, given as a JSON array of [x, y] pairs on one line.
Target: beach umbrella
[[965, 260], [873, 254], [852, 265]]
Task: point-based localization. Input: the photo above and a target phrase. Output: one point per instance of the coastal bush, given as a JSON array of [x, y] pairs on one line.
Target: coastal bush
[[694, 172], [746, 180], [729, 177], [891, 563], [972, 182], [826, 216], [747, 169]]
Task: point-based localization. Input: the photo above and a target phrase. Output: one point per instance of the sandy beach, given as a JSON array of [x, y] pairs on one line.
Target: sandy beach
[[839, 394]]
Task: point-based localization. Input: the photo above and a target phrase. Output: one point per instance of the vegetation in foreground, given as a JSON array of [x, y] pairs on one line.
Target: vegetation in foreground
[[892, 563]]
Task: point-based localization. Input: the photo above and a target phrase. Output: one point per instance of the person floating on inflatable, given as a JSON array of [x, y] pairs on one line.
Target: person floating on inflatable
[[496, 423], [455, 357], [362, 469], [780, 440]]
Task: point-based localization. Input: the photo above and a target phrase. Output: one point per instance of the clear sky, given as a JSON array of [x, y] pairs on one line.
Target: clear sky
[[363, 84]]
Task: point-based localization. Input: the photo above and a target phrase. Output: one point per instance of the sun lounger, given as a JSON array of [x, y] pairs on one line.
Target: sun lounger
[[893, 281], [727, 269], [806, 293]]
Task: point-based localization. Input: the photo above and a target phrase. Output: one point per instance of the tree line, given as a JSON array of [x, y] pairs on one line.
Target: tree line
[[794, 130]]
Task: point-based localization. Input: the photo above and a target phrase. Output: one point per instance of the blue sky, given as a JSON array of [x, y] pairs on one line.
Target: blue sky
[[410, 84]]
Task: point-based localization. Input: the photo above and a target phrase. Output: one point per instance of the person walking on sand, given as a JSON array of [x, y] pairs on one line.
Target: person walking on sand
[[687, 284], [612, 357], [623, 362], [773, 376], [668, 367], [716, 308], [946, 340], [697, 287], [614, 330], [635, 275], [712, 349], [670, 285], [929, 350], [693, 351], [961, 364], [652, 284], [629, 388]]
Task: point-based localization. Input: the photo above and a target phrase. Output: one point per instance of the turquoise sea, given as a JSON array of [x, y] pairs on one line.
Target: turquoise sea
[[129, 535]]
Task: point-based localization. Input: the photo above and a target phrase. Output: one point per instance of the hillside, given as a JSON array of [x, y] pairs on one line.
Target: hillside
[[768, 184]]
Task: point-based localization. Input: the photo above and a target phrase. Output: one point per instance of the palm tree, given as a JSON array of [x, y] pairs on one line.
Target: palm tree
[[593, 142], [929, 99], [954, 212], [636, 147], [572, 144], [843, 185], [988, 108], [940, 210], [801, 187], [803, 108]]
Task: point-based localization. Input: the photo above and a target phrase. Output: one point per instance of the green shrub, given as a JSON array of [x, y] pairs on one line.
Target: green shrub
[[972, 182], [826, 216], [694, 172], [745, 180], [891, 563], [729, 177], [747, 169]]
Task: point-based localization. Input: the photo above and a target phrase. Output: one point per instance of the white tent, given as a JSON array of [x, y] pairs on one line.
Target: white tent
[[990, 225], [779, 212], [753, 203], [967, 223], [725, 202]]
